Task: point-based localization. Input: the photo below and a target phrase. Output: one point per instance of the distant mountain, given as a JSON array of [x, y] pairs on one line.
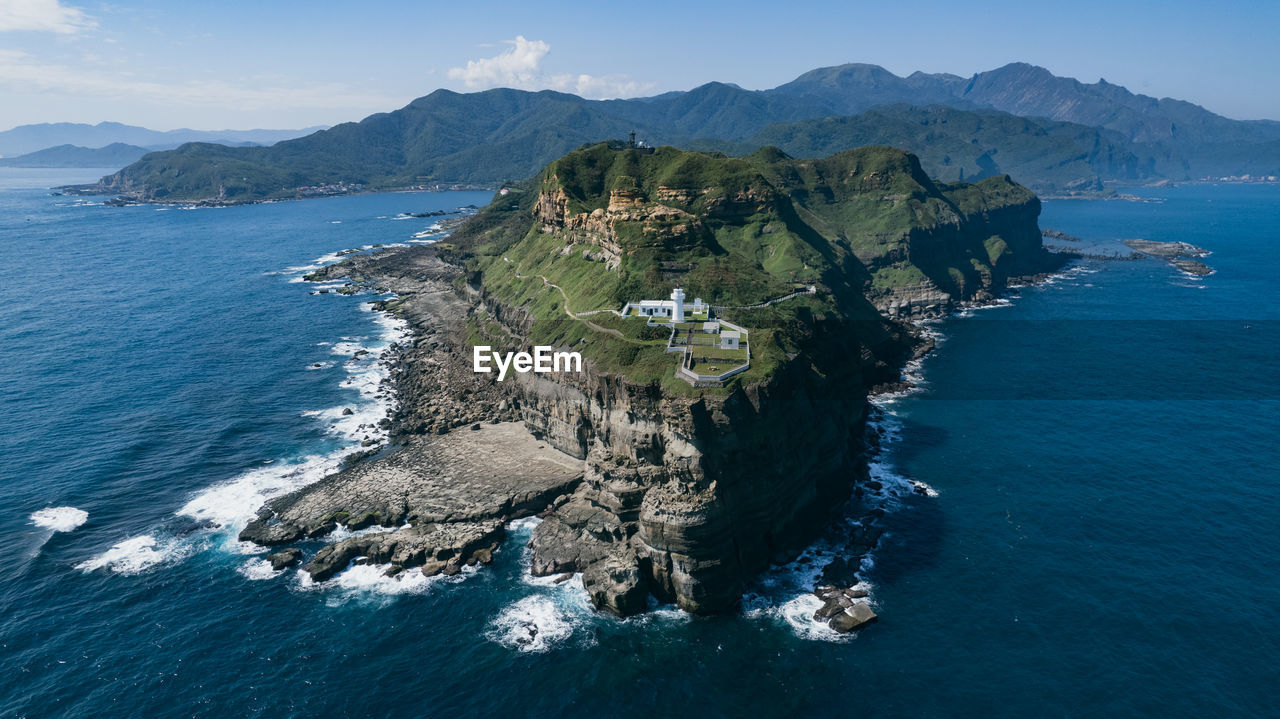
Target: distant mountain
[[963, 145], [117, 154], [1049, 132], [30, 138]]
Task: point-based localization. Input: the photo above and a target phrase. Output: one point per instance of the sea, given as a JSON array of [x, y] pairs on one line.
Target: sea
[[1082, 493]]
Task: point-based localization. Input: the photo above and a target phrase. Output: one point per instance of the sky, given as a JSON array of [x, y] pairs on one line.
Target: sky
[[235, 64]]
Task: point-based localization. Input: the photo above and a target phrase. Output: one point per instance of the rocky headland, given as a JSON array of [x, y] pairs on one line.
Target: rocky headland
[[648, 486]]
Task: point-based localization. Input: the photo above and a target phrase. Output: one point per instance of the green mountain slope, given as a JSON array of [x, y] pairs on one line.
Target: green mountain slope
[[1067, 132], [957, 145], [607, 225]]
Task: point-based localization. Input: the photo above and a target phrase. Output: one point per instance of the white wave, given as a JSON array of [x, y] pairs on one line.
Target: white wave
[[257, 570], [368, 375], [785, 594], [59, 519], [135, 555], [233, 503], [369, 582], [373, 578], [228, 506], [994, 304], [248, 549], [348, 348], [532, 624], [341, 532], [312, 266]]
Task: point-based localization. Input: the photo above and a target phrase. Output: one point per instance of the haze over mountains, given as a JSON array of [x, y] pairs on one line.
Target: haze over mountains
[[1054, 134], [26, 139], [117, 154]]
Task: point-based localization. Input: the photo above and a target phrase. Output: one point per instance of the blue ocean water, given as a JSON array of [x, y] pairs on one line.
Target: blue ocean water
[[1098, 540]]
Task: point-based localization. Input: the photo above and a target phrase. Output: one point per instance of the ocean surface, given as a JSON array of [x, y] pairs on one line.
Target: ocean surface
[[1096, 532]]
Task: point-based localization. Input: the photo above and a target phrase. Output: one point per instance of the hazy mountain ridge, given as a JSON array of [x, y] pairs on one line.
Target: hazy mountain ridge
[[26, 139], [117, 154], [1067, 134]]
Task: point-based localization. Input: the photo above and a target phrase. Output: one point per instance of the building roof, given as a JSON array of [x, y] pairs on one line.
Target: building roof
[[730, 334]]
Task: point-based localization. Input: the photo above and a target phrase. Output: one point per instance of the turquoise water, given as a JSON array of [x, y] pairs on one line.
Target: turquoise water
[[1100, 540]]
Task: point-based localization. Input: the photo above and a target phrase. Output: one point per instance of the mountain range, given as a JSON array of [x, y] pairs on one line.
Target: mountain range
[[1051, 133], [117, 154], [26, 139]]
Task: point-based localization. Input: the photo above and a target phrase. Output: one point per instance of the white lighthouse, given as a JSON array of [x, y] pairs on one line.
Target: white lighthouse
[[677, 299]]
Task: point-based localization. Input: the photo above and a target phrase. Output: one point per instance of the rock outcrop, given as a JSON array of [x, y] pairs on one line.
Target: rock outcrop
[[648, 489], [687, 499]]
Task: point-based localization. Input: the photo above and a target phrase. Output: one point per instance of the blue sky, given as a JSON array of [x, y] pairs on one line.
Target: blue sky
[[236, 64]]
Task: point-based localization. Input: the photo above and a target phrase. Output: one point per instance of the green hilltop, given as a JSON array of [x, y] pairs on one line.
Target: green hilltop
[[609, 224]]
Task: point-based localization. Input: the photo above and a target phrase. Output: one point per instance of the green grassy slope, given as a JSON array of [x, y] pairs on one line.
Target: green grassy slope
[[609, 225]]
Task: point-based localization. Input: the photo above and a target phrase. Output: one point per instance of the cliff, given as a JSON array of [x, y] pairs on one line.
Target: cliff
[[688, 493], [647, 484]]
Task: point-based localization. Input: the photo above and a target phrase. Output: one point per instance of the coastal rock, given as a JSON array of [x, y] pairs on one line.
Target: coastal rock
[[572, 538], [452, 543], [284, 559], [852, 618], [496, 472], [616, 584], [1177, 254]]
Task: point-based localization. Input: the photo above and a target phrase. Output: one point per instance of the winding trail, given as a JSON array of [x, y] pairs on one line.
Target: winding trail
[[810, 290], [579, 316]]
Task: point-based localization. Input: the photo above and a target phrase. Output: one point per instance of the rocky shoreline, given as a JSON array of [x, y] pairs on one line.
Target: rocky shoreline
[[623, 497], [642, 494], [1178, 254]]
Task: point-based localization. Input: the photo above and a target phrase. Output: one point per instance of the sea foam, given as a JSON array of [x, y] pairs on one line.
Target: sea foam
[[532, 624], [59, 519], [228, 506], [135, 555]]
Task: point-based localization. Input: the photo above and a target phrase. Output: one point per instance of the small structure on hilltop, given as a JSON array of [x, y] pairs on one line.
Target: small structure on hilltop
[[711, 350], [672, 309]]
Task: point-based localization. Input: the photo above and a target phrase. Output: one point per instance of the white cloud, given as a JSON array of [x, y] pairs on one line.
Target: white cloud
[[42, 16], [520, 67], [22, 72], [517, 66]]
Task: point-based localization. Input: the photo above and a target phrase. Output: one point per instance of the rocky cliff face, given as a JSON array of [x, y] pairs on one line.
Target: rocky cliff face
[[964, 258], [646, 487], [687, 499]]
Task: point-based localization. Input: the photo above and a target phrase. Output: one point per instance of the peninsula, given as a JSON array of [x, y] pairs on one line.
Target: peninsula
[[650, 483]]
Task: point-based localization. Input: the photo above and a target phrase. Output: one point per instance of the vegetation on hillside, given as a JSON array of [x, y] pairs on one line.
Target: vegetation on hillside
[[733, 231], [1094, 133]]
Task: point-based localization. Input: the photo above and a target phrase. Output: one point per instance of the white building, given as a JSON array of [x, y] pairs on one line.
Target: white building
[[674, 308], [729, 339]]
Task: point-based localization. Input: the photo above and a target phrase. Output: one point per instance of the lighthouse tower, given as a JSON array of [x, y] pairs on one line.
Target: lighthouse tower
[[677, 298]]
